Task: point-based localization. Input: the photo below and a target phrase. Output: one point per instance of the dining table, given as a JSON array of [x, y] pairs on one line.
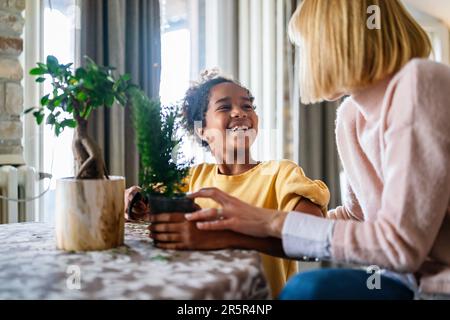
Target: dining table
[[32, 268]]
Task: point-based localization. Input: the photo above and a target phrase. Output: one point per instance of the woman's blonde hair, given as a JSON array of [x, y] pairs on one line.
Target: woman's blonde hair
[[340, 53]]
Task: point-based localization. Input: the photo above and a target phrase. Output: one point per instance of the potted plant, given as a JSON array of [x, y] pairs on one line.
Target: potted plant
[[89, 207], [163, 168]]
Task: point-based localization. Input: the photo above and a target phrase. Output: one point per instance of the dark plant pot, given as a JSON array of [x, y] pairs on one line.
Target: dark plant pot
[[170, 205], [159, 204]]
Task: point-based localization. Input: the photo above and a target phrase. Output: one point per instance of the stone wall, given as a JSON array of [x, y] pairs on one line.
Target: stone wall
[[11, 74]]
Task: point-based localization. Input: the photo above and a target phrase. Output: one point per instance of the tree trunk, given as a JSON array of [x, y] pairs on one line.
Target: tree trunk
[[89, 163]]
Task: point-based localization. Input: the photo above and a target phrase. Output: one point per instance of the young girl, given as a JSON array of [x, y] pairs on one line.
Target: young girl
[[221, 114]]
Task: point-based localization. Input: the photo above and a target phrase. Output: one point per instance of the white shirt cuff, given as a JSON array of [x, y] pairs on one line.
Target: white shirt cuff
[[305, 236]]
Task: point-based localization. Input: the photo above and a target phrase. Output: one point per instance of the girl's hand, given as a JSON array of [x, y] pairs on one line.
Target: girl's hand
[[140, 210], [171, 231], [237, 216]]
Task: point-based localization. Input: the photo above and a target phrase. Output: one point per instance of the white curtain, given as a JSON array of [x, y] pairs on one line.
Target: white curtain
[[247, 39], [266, 60]]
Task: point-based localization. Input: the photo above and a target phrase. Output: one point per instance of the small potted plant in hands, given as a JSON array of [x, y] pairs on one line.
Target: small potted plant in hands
[[163, 169], [89, 207]]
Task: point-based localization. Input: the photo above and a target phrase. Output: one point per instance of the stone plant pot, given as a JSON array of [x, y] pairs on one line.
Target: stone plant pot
[[90, 214]]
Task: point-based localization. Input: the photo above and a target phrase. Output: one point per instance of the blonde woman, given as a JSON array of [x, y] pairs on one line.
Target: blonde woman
[[393, 135]]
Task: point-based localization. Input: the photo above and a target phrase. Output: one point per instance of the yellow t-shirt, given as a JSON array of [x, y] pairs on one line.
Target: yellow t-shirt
[[275, 185]]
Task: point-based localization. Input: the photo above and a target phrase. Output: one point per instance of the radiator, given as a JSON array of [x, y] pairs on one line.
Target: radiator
[[17, 183]]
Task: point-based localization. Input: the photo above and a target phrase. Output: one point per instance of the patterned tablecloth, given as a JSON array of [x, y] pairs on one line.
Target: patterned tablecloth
[[32, 268]]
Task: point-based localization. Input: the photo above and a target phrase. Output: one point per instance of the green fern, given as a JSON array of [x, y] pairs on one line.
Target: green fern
[[162, 169]]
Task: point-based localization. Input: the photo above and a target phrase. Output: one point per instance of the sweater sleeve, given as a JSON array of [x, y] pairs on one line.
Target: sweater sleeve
[[350, 210], [416, 166]]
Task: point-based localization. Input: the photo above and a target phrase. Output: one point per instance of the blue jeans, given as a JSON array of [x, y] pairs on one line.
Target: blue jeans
[[342, 284]]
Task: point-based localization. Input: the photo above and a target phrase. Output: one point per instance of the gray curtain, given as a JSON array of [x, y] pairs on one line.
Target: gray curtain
[[317, 149], [124, 34]]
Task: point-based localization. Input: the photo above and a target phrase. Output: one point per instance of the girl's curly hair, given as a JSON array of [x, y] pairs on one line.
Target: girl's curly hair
[[196, 101]]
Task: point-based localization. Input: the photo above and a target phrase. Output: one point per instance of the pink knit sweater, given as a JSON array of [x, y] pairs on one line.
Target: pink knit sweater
[[394, 142]]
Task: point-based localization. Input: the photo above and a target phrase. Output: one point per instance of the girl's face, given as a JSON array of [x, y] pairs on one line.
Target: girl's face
[[231, 122]]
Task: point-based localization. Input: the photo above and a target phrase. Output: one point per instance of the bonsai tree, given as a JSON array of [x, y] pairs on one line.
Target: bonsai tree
[[163, 168], [74, 95]]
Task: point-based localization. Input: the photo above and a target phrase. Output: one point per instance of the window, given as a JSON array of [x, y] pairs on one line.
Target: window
[[175, 51], [52, 30], [181, 48], [59, 40], [440, 38]]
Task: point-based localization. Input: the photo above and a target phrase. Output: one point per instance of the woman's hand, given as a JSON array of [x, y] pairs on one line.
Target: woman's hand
[[237, 216], [140, 210], [171, 231]]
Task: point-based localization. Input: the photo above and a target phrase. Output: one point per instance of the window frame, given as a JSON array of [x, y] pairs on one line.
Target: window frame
[[32, 140]]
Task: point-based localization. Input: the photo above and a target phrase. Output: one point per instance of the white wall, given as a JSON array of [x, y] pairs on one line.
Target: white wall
[[435, 25], [439, 9]]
